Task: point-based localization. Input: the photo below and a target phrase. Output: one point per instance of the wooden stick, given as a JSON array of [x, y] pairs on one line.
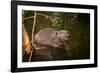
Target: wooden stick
[[33, 29], [46, 16], [29, 17]]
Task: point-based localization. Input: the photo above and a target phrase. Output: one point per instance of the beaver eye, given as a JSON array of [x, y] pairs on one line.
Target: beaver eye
[[56, 33]]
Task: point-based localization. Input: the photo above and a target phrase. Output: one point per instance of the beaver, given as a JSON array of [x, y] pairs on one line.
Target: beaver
[[50, 37], [47, 41]]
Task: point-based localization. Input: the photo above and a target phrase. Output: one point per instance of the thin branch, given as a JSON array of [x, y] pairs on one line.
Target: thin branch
[[28, 17], [46, 16], [33, 29]]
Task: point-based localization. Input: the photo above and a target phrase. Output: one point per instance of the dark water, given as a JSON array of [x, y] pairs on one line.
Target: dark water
[[78, 25]]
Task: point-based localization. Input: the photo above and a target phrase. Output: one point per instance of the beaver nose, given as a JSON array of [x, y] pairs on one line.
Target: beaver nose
[[66, 39], [67, 34]]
